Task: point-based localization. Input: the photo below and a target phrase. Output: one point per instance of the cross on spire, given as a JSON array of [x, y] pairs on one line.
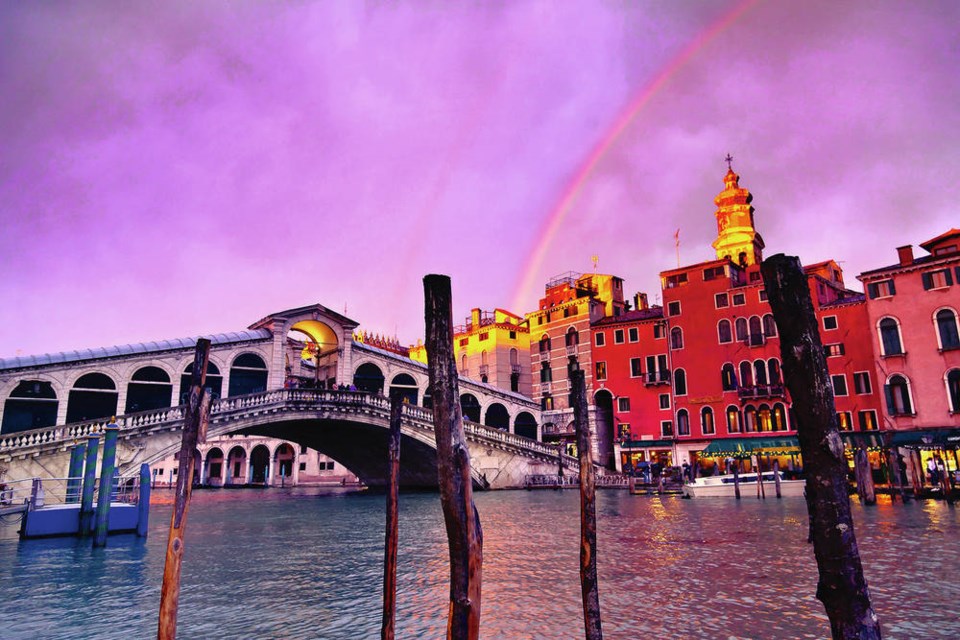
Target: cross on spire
[[729, 160]]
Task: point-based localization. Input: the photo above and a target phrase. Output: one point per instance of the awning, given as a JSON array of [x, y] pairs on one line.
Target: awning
[[871, 440], [746, 447], [948, 437], [647, 444]]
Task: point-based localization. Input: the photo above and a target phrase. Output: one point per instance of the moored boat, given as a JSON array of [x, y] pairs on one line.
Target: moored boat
[[722, 486]]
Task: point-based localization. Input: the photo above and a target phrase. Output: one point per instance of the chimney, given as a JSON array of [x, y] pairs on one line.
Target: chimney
[[640, 301], [906, 255], [475, 317]]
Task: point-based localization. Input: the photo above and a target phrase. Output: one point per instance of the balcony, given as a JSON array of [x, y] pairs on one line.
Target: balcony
[[761, 391], [484, 369], [515, 368], [546, 387], [572, 349], [553, 429], [655, 378]]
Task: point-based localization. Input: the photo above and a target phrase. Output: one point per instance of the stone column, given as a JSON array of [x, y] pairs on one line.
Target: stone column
[[269, 476]]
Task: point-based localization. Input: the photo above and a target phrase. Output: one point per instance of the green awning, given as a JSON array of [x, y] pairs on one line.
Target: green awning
[[948, 437], [872, 440], [746, 447], [647, 444]]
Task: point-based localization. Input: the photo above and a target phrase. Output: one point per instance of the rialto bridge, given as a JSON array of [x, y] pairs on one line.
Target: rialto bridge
[[298, 375]]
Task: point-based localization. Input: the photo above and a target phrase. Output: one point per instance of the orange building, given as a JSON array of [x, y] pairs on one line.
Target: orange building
[[560, 343]]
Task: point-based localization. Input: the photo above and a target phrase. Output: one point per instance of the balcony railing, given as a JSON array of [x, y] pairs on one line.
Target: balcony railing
[[761, 391], [545, 387], [515, 368], [484, 369], [572, 349], [755, 340], [653, 378]]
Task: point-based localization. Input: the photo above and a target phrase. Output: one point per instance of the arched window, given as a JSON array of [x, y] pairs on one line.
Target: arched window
[[733, 419], [214, 382], [779, 418], [769, 326], [724, 332], [890, 343], [680, 382], [497, 417], [31, 405], [545, 344], [897, 391], [746, 375], [248, 375], [947, 329], [405, 386], [683, 423], [750, 418], [706, 421], [728, 377], [756, 330], [514, 357], [741, 326], [953, 389], [760, 368], [93, 396], [149, 389], [773, 365], [483, 358], [766, 420], [676, 338], [367, 377], [470, 407], [572, 338], [546, 374], [463, 363]]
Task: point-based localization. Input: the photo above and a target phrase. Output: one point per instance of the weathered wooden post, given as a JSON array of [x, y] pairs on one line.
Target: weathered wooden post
[[75, 472], [143, 502], [776, 477], [89, 485], [392, 526], [736, 480], [464, 534], [106, 485], [842, 587], [194, 430], [761, 493], [864, 475], [589, 587]]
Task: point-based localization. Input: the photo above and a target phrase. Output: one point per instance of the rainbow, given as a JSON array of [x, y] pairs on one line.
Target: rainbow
[[552, 223]]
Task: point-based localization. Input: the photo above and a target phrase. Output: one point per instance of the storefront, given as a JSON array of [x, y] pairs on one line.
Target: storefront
[[639, 454], [748, 453]]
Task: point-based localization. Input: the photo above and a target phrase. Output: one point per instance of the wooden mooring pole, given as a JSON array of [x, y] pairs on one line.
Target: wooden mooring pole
[[842, 587], [464, 534], [589, 586], [391, 535], [194, 429]]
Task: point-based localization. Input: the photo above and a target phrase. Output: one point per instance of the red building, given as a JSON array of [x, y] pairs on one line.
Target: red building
[[706, 367]]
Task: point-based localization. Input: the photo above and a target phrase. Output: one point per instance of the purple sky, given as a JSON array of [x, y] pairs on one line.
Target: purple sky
[[172, 169]]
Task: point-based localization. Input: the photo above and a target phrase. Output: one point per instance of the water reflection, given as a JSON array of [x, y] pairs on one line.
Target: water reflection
[[295, 564]]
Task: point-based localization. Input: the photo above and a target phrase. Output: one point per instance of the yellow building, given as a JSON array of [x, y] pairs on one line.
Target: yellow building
[[491, 347]]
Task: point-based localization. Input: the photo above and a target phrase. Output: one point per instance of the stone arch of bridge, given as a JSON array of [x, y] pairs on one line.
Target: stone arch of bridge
[[360, 446]]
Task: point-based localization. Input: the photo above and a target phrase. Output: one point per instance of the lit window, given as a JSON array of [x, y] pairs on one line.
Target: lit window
[[845, 421], [728, 377], [868, 420], [706, 421], [733, 419], [601, 371], [833, 350], [683, 423]]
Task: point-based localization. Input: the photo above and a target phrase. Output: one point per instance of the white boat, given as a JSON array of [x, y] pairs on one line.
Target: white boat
[[722, 486]]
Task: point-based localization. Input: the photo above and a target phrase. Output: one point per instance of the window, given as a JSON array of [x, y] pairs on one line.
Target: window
[[739, 299], [947, 332], [755, 276], [890, 344], [513, 335], [774, 366], [750, 418], [546, 403], [666, 429], [844, 421], [953, 389], [546, 374], [881, 289], [618, 336], [766, 418], [676, 338], [756, 331], [721, 300], [833, 350], [839, 384], [868, 420], [712, 273], [706, 421], [633, 334], [769, 326], [680, 382], [762, 295], [599, 339], [830, 323], [303, 466], [673, 308], [897, 392], [861, 383], [741, 326], [683, 423], [746, 375], [572, 338], [664, 400], [601, 371], [485, 335], [733, 419], [464, 342], [724, 332], [760, 371], [658, 331], [728, 377], [657, 369], [779, 418], [303, 448], [636, 369], [677, 280], [940, 279], [623, 404], [545, 344]]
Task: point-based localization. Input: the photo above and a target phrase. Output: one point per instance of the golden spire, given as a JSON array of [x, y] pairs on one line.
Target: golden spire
[[736, 236]]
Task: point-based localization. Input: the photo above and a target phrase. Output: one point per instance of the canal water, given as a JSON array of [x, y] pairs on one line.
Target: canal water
[[301, 563]]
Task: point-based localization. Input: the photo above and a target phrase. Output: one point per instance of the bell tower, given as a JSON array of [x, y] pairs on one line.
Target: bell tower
[[736, 237]]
